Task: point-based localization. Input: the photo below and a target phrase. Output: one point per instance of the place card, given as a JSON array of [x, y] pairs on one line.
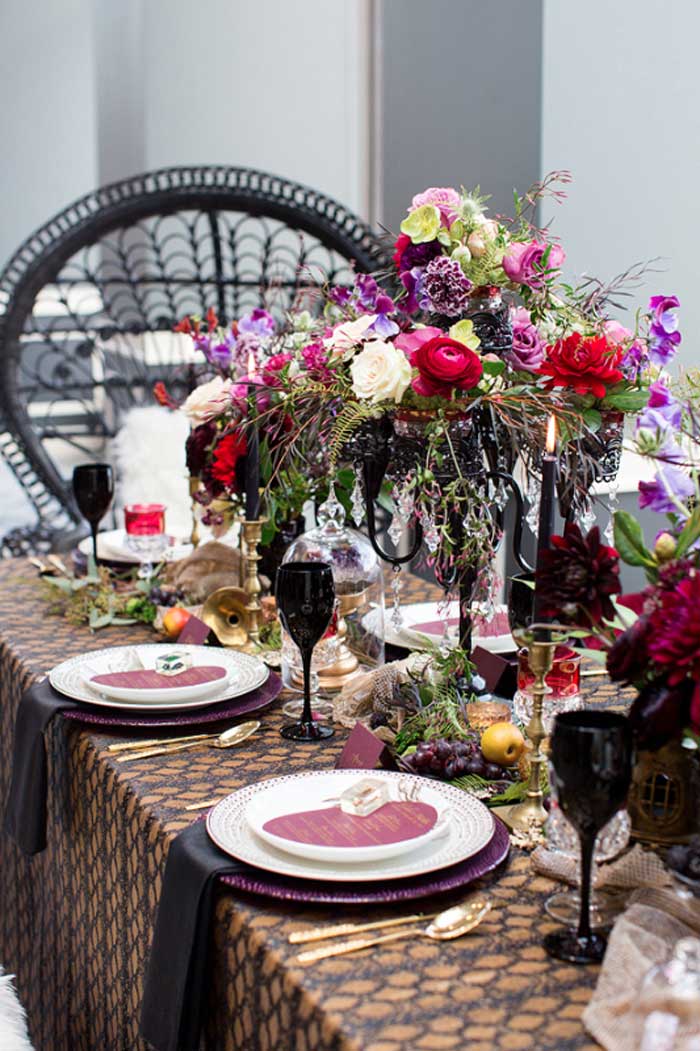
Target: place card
[[498, 670], [393, 822], [197, 633], [148, 679], [364, 751]]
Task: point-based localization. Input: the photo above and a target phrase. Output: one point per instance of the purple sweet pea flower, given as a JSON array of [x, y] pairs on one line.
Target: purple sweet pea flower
[[258, 323], [664, 336], [635, 361], [528, 349], [366, 291], [656, 494], [340, 295], [662, 401], [383, 327], [412, 281]]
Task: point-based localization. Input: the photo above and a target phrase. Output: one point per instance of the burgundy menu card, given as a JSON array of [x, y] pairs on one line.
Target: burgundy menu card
[[147, 679], [364, 751], [394, 822]]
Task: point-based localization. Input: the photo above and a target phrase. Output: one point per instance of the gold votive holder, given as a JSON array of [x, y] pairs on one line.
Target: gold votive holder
[[235, 614]]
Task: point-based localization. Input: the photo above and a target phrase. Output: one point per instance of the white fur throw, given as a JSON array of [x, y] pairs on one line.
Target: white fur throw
[[13, 1024], [149, 454]]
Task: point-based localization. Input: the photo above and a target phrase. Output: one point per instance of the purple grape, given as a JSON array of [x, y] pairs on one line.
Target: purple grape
[[492, 771], [476, 766], [460, 765], [443, 749], [450, 769]]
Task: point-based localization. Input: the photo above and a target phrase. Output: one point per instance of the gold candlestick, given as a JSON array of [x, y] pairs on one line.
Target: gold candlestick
[[194, 535], [252, 532], [531, 811]]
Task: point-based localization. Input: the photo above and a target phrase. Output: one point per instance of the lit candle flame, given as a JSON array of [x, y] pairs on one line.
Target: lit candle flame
[[551, 443], [251, 365]]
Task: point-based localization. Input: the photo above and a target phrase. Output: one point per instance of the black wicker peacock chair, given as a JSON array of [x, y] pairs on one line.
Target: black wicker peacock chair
[[91, 298]]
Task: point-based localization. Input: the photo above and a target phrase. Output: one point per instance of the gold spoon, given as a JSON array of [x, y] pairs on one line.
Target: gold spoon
[[452, 923], [234, 735]]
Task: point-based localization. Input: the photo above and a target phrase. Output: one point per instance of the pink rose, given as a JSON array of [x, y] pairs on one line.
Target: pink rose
[[617, 333], [524, 262], [444, 198], [527, 353], [443, 364]]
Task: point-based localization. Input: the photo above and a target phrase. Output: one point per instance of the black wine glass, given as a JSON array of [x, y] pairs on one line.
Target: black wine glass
[[93, 488], [305, 601], [591, 758]]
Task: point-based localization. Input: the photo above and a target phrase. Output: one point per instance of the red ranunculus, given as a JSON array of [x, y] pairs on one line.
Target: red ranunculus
[[400, 245], [227, 461], [586, 364], [443, 364]]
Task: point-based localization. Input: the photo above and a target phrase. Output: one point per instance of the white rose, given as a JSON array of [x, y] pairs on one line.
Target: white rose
[[380, 372], [488, 228], [346, 337], [209, 400]]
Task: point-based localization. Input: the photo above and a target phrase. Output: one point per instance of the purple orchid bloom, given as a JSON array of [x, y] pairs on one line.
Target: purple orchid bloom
[[258, 323], [664, 336], [383, 327], [657, 494]]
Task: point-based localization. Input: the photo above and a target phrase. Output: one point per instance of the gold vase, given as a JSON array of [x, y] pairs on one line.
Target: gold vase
[[664, 798]]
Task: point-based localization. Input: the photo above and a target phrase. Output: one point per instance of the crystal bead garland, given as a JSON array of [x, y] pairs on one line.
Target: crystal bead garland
[[613, 498], [357, 502], [430, 532], [396, 615], [532, 517], [586, 517]]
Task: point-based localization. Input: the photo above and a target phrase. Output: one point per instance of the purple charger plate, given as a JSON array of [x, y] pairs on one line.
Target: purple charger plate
[[257, 881], [248, 702]]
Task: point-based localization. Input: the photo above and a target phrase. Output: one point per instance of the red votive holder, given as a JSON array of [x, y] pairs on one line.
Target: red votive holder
[[144, 519]]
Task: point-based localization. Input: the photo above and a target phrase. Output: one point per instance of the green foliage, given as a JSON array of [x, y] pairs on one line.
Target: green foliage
[[99, 600], [629, 541], [689, 534], [625, 400], [350, 417]]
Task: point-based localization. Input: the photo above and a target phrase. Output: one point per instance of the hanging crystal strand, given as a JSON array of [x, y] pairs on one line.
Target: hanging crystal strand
[[396, 615], [406, 504], [357, 501], [532, 517], [586, 515], [613, 497], [395, 529], [430, 532]]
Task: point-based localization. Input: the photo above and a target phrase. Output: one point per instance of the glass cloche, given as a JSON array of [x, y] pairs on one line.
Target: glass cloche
[[355, 639]]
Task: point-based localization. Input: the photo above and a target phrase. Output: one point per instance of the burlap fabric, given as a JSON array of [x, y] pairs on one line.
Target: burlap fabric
[[76, 921]]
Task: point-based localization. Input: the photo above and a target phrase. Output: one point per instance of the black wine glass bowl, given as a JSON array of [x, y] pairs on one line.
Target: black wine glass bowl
[[305, 596], [591, 757], [93, 489]]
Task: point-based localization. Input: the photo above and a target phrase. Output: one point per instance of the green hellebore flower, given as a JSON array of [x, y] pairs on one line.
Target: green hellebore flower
[[464, 333], [422, 225]]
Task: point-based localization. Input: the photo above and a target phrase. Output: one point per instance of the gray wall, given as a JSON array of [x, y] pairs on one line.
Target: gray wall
[[459, 96]]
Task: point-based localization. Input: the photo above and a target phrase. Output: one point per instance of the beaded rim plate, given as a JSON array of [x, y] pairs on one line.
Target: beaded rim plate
[[468, 829], [245, 673]]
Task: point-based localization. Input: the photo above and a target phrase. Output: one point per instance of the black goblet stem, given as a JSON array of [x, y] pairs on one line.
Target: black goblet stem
[[306, 715], [93, 529], [587, 840]]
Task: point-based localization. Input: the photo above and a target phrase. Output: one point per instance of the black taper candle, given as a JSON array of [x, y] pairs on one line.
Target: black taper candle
[[548, 497], [252, 463]]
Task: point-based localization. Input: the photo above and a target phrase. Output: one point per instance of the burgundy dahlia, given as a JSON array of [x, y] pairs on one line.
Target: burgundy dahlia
[[198, 441], [660, 712], [675, 630], [628, 657], [577, 577]]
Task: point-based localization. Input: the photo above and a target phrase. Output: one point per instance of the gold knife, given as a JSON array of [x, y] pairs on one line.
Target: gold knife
[[319, 933]]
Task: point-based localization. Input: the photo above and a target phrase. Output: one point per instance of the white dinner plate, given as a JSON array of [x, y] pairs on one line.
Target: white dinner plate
[[245, 673], [280, 799], [418, 613], [112, 546], [146, 695], [466, 827]]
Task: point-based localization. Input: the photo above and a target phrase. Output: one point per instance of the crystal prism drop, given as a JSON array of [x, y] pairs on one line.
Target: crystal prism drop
[[395, 530], [396, 615], [533, 498], [612, 507], [430, 533], [586, 519], [357, 502]]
